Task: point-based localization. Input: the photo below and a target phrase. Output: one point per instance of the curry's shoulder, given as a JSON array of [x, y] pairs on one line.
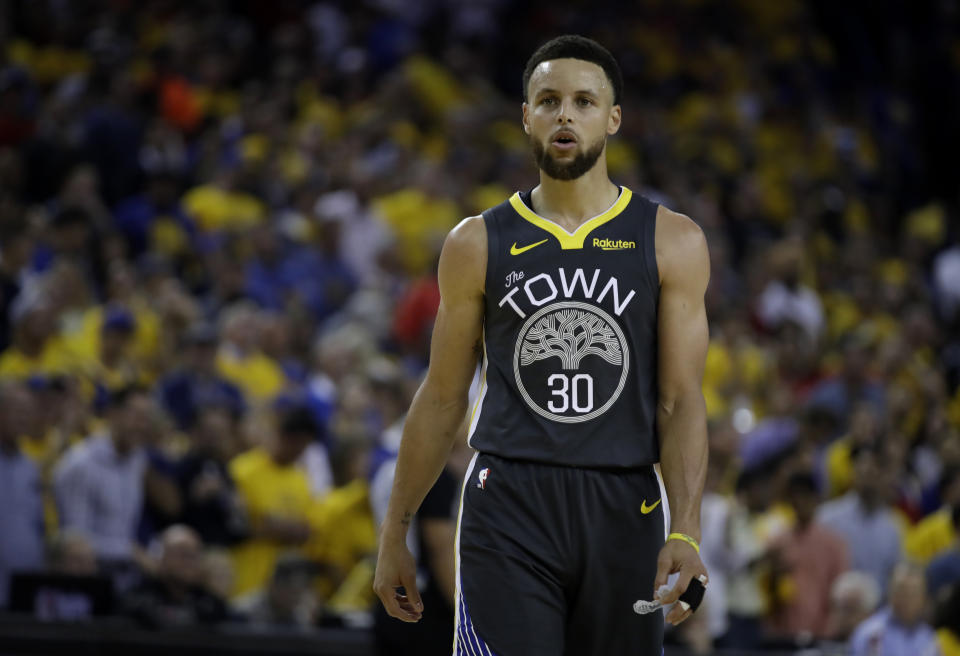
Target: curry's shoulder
[[680, 241]]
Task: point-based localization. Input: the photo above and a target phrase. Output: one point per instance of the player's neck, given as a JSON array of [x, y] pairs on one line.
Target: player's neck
[[572, 202]]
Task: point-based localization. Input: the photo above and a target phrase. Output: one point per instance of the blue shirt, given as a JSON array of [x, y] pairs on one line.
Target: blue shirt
[[872, 538], [944, 570], [100, 494], [21, 518], [881, 635]]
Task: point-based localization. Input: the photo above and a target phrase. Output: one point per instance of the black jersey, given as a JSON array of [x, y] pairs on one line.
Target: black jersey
[[569, 373]]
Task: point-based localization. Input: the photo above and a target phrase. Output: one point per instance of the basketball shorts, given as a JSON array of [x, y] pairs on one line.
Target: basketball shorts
[[552, 558]]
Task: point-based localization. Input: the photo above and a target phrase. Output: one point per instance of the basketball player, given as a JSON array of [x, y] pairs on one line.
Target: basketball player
[[584, 304]]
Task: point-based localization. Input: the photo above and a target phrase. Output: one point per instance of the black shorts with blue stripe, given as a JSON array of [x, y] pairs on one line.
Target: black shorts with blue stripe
[[552, 558]]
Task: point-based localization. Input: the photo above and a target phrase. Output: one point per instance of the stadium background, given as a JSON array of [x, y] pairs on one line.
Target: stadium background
[[238, 206]]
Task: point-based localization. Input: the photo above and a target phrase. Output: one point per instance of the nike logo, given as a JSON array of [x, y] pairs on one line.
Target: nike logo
[[645, 509], [523, 249]]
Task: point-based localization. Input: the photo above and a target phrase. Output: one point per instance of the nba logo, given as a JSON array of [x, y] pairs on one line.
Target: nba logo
[[484, 473]]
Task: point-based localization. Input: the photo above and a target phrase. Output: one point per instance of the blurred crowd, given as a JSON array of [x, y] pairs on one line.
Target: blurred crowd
[[219, 225]]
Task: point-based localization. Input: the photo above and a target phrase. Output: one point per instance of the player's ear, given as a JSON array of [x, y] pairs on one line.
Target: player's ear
[[526, 118], [613, 122]]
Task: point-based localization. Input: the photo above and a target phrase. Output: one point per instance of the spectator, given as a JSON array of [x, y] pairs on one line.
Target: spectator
[[198, 382], [865, 429], [155, 220], [99, 482], [16, 245], [276, 493], [345, 537], [715, 550], [175, 595], [21, 521], [786, 298], [808, 559], [840, 394], [71, 587], [946, 619], [114, 367], [751, 528], [211, 506], [34, 348], [433, 536], [935, 533], [944, 570], [288, 600], [240, 360], [863, 519], [853, 598], [898, 628]]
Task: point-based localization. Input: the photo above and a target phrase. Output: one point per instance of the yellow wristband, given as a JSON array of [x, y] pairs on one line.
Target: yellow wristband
[[685, 538]]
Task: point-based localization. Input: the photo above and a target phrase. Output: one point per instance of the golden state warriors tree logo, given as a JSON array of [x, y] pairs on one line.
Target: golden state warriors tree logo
[[571, 362]]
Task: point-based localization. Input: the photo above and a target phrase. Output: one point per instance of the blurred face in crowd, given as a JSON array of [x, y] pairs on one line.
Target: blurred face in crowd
[[242, 328], [856, 359], [162, 190], [202, 357], [286, 448], [850, 605], [17, 251], [289, 596], [35, 327], [869, 477], [132, 421], [114, 344], [568, 116], [908, 595], [182, 560], [274, 338], [71, 239], [864, 424], [755, 492], [214, 432], [804, 502], [17, 414]]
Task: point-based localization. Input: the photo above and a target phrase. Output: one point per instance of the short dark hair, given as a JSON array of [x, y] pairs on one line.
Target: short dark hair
[[949, 475], [298, 421], [802, 482], [872, 448], [574, 46], [119, 398]]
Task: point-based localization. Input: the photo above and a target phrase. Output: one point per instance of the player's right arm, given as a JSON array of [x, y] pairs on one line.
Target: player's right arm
[[437, 410]]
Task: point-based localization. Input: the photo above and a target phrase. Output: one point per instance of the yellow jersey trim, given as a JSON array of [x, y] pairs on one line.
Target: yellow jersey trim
[[571, 240]]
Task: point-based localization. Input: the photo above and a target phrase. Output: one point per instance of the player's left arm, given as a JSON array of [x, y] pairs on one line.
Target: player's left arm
[[684, 266]]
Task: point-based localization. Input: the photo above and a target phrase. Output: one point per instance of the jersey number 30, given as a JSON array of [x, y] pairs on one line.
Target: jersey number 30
[[575, 392]]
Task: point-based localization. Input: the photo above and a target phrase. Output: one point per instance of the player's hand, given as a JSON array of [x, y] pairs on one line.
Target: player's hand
[[396, 568], [677, 556]]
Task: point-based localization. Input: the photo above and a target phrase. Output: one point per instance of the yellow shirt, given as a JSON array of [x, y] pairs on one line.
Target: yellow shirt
[[266, 489], [839, 467], [949, 643], [214, 208], [55, 359], [419, 221], [259, 377], [931, 536], [85, 342], [345, 532]]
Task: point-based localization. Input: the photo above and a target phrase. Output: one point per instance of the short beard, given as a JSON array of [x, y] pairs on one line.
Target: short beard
[[582, 163]]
